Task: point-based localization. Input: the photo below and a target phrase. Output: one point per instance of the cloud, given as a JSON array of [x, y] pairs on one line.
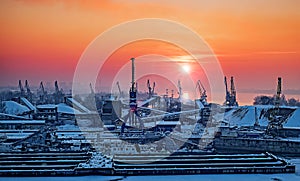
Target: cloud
[[91, 5], [275, 52], [256, 53]]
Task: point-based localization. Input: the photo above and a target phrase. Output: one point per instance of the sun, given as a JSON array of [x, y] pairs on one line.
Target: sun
[[186, 68], [186, 95]]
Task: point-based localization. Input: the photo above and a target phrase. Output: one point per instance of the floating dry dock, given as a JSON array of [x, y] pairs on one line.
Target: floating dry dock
[[80, 163], [200, 164]]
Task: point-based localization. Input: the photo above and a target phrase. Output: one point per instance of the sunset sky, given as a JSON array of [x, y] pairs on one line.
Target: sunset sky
[[254, 41]]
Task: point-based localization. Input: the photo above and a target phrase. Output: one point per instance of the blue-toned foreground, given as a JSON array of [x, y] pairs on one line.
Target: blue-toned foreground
[[83, 163]]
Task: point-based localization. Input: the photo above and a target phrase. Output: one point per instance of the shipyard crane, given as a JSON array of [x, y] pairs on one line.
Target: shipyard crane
[[42, 93], [172, 112], [230, 99], [150, 89], [233, 92], [91, 88], [132, 116], [42, 89], [22, 92], [56, 87], [276, 120], [278, 93], [227, 97], [179, 90], [119, 89], [27, 87], [202, 92], [28, 91], [58, 94]]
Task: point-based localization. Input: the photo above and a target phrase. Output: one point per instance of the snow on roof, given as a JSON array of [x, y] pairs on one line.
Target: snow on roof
[[168, 123], [245, 116], [80, 106], [64, 108], [14, 116], [46, 106], [12, 107], [61, 108], [28, 103], [68, 127], [294, 120], [22, 121]]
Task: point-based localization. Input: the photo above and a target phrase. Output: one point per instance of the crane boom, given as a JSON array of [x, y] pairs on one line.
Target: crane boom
[[202, 91], [132, 74], [27, 87], [199, 87], [179, 89], [225, 82], [150, 89], [42, 88], [119, 89], [92, 90], [230, 95], [133, 89], [56, 87], [232, 87], [227, 96]]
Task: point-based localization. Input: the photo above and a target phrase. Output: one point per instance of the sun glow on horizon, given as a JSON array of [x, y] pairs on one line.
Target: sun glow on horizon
[[186, 95], [186, 68]]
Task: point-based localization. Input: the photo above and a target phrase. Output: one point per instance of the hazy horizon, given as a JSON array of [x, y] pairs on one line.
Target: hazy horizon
[[255, 41]]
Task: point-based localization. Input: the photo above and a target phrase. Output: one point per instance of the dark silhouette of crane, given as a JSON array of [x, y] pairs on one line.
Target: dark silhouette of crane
[[132, 116], [120, 91], [28, 91], [179, 90], [276, 120], [58, 94], [22, 91], [150, 89], [42, 94], [230, 98], [92, 90], [202, 92]]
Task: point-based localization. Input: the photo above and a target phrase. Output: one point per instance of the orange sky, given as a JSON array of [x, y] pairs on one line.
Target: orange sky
[[255, 41]]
